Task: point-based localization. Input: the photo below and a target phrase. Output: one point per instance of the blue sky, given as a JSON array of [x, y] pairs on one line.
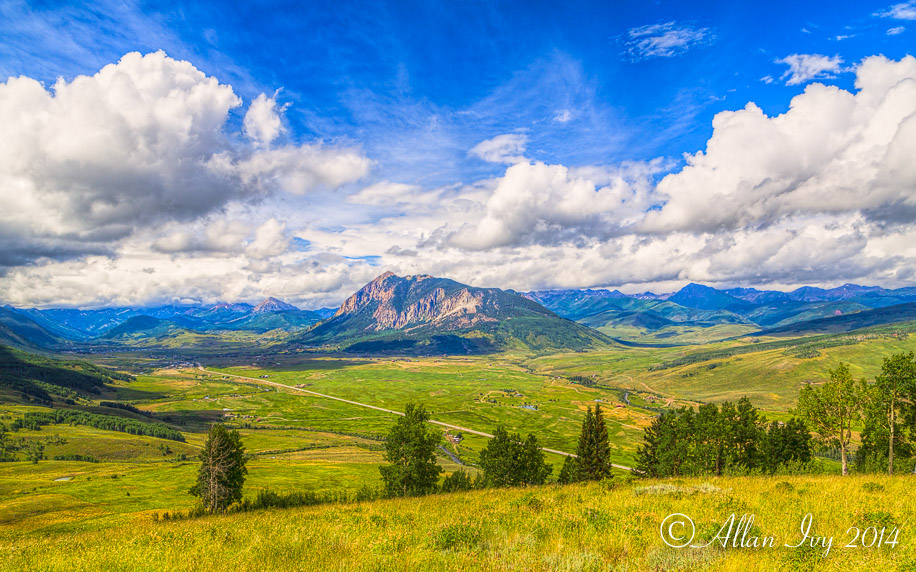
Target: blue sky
[[414, 87], [377, 72]]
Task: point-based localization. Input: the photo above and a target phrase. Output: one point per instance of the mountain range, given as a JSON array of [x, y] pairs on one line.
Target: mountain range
[[703, 306], [438, 315]]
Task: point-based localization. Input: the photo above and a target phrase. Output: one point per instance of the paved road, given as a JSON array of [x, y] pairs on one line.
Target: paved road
[[366, 405]]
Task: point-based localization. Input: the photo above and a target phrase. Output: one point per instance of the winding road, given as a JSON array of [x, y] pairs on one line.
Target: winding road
[[366, 405]]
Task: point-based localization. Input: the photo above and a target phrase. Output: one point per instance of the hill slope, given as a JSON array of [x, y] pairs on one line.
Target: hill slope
[[438, 315]]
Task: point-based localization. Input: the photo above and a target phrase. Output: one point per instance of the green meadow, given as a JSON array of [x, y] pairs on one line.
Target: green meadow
[[573, 527], [299, 442]]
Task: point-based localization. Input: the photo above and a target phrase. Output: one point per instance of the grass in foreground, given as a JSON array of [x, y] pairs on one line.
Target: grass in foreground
[[577, 527]]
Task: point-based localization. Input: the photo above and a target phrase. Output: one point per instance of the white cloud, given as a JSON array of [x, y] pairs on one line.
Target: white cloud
[[386, 193], [553, 204], [902, 11], [141, 142], [833, 152], [562, 116], [507, 148], [806, 67], [262, 122], [896, 31], [821, 194], [665, 40], [270, 239]]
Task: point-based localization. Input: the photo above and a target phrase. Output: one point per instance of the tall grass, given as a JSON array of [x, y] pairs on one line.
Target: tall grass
[[575, 527]]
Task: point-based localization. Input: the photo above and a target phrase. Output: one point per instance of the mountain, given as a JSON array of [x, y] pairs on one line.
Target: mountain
[[325, 313], [265, 321], [30, 377], [706, 298], [437, 315], [574, 304], [848, 322], [17, 329], [274, 305], [142, 326]]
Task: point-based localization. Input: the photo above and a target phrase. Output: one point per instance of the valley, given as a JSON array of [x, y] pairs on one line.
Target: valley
[[313, 404]]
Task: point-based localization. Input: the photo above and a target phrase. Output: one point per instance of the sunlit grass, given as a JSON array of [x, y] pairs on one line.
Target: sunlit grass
[[579, 527]]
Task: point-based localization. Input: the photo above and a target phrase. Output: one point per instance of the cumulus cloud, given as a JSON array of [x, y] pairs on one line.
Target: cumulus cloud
[[902, 11], [262, 122], [806, 67], [270, 239], [832, 152], [550, 203], [144, 140], [665, 40], [507, 148], [821, 194]]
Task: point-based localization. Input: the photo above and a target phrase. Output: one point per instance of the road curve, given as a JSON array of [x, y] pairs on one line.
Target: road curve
[[366, 405]]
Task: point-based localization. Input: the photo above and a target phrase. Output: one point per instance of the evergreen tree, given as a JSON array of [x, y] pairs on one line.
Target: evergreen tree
[[460, 480], [222, 469], [747, 434], [647, 463], [709, 439], [569, 473], [586, 444], [593, 453], [499, 459], [676, 455], [410, 450], [783, 443], [507, 461], [534, 468]]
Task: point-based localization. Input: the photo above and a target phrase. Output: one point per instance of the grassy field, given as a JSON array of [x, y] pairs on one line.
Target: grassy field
[[770, 379], [302, 442], [575, 527]]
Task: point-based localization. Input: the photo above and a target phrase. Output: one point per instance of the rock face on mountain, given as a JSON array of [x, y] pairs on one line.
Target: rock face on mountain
[[424, 307], [273, 305], [397, 303]]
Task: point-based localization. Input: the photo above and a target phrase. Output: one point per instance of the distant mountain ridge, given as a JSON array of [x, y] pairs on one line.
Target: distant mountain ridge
[[703, 306], [469, 319], [75, 325]]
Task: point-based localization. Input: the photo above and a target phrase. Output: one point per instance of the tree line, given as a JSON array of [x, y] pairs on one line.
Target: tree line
[[716, 440], [36, 420], [885, 409], [711, 440], [411, 467]]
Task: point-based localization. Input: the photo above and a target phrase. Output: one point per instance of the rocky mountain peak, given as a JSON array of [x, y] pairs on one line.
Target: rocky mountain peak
[[273, 305]]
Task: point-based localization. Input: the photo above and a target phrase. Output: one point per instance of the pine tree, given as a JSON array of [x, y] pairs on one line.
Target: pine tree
[[460, 480], [410, 450], [499, 459], [534, 468], [647, 464], [747, 434], [507, 461], [593, 452], [222, 470], [569, 473]]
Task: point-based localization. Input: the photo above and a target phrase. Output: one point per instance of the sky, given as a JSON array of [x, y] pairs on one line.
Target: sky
[[166, 153]]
